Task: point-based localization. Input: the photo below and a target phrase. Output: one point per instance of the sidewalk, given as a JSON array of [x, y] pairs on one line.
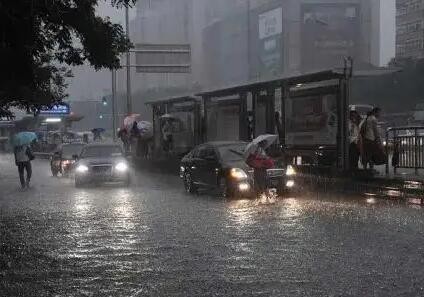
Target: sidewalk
[[405, 174]]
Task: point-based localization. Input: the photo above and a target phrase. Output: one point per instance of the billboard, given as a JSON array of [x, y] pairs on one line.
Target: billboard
[[267, 43], [163, 58], [312, 120], [330, 32]]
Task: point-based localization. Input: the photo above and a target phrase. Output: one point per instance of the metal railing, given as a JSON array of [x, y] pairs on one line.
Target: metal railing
[[405, 145]]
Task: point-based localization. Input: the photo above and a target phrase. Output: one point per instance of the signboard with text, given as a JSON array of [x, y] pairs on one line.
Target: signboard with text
[[330, 32], [57, 109], [163, 58], [269, 43]]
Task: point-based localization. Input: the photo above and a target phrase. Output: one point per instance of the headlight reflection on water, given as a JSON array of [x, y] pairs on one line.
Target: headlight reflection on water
[[292, 208], [82, 203], [241, 212], [123, 211]]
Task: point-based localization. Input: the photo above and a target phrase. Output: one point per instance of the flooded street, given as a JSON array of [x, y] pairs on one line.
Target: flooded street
[[153, 239]]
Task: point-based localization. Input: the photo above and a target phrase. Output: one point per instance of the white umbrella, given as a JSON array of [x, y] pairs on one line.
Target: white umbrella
[[168, 117], [269, 139], [129, 120], [146, 129]]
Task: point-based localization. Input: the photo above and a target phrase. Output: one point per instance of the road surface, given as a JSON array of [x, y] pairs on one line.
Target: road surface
[[153, 239]]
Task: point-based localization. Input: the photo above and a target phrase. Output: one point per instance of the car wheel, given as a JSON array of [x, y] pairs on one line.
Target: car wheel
[[54, 172], [189, 185]]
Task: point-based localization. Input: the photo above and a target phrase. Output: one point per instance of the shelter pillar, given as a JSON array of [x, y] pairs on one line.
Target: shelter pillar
[[243, 124], [270, 111]]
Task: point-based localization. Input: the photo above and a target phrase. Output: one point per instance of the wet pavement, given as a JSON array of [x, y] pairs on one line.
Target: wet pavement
[[153, 239]]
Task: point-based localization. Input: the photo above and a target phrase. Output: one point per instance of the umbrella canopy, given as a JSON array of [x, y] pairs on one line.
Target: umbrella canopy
[[169, 117], [98, 130], [24, 138], [146, 129], [269, 139], [129, 120]]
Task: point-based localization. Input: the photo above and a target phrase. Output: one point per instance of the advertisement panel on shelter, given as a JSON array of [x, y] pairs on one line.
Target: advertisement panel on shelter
[[312, 120], [330, 32], [223, 122]]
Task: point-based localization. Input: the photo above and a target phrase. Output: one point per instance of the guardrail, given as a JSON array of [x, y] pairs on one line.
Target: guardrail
[[406, 146]]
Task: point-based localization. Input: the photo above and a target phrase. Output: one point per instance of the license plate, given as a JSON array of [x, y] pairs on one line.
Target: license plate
[[274, 182]]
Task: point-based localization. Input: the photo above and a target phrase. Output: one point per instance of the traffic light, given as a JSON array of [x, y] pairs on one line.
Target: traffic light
[[104, 100]]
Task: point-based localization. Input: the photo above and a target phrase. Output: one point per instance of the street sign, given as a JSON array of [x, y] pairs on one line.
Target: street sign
[[57, 109], [163, 58]]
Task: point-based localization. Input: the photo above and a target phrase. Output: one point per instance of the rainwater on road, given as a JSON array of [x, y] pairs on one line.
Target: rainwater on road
[[153, 239]]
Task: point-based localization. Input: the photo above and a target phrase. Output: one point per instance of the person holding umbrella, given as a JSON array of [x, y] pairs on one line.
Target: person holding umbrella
[[23, 156], [257, 158]]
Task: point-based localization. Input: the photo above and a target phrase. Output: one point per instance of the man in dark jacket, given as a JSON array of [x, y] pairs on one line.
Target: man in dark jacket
[[23, 157]]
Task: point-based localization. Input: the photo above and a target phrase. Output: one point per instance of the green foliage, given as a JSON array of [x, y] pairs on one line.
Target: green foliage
[[38, 36]]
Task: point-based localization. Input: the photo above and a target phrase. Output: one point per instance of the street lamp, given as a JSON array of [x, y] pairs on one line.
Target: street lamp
[[127, 23]]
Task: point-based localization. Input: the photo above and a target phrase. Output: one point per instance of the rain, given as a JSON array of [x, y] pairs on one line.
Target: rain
[[212, 148]]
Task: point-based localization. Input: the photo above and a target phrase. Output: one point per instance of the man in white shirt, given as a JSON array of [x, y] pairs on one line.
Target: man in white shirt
[[371, 140], [354, 121]]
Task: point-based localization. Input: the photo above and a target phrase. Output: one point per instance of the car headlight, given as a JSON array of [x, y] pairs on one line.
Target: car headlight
[[67, 162], [238, 173], [290, 171], [244, 187], [121, 167], [82, 169]]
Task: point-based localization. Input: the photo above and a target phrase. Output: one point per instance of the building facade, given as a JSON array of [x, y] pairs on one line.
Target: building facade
[[410, 29], [234, 41]]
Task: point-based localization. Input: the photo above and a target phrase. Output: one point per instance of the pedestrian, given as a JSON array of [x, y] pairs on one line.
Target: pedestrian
[[372, 147], [123, 135], [23, 158], [133, 138], [260, 162], [250, 126], [354, 122], [167, 135]]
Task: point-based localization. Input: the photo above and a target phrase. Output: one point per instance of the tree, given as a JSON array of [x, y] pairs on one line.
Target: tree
[[39, 37], [397, 92]]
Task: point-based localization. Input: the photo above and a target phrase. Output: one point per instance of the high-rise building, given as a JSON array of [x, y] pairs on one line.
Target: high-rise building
[[234, 41], [410, 29]]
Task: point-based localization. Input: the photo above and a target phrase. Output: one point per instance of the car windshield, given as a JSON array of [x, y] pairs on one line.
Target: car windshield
[[232, 152], [70, 150], [101, 151]]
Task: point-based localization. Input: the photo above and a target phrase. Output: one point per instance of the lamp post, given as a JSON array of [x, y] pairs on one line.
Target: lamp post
[[129, 101]]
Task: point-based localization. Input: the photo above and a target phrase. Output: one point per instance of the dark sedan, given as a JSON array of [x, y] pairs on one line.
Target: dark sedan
[[221, 165], [102, 163]]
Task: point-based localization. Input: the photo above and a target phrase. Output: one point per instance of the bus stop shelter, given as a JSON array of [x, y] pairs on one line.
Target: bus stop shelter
[[186, 113], [309, 112], [304, 106]]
